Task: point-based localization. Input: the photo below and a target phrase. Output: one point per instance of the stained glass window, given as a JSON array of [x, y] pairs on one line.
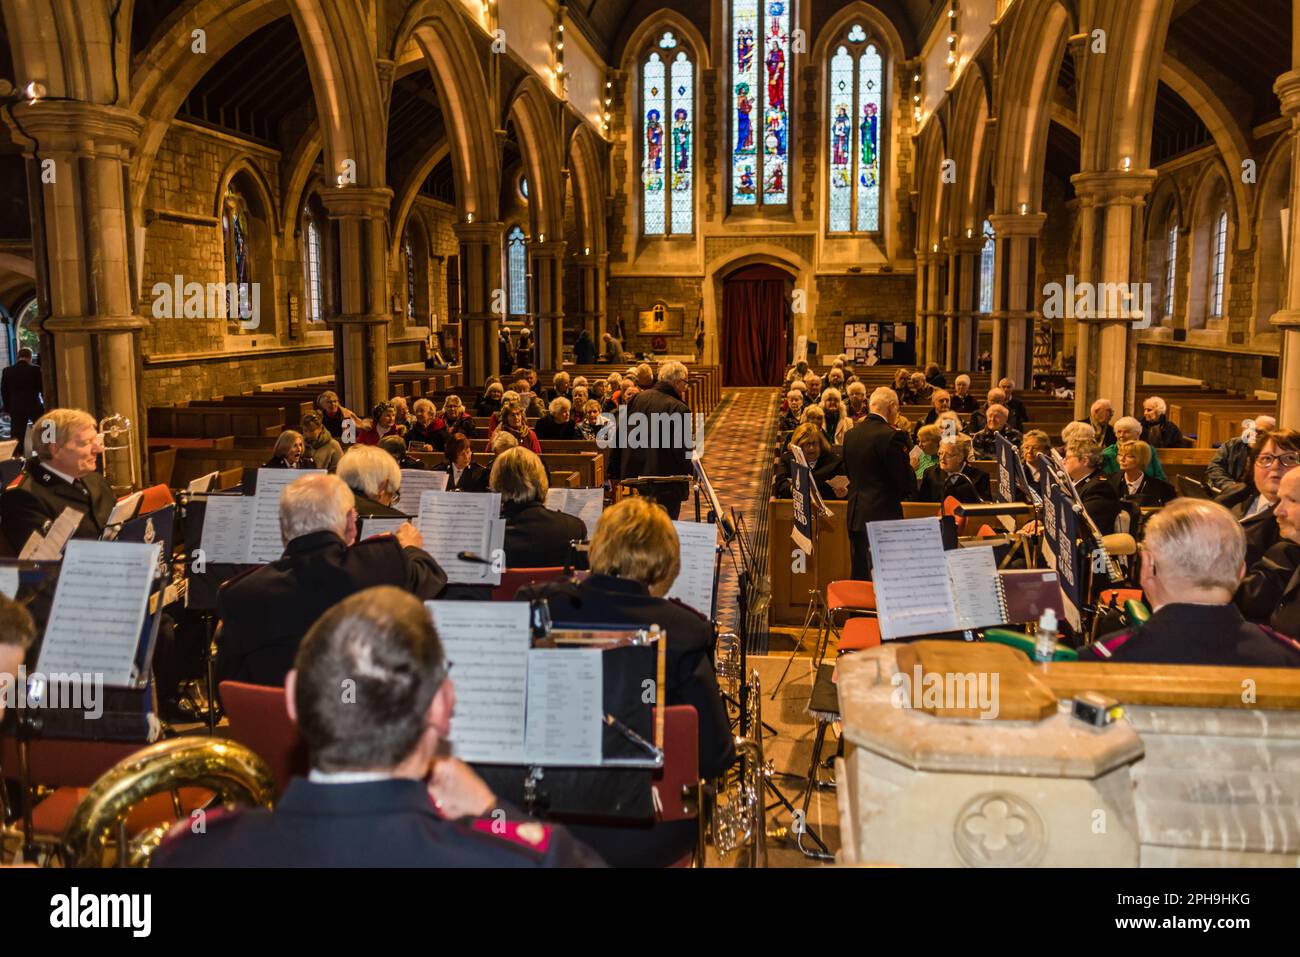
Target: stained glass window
[[856, 78], [1216, 269], [986, 269], [315, 294], [234, 224], [1171, 268], [517, 267], [760, 159], [410, 277], [668, 142]]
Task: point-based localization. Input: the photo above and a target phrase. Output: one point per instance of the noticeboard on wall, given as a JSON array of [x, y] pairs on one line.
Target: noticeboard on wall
[[870, 343]]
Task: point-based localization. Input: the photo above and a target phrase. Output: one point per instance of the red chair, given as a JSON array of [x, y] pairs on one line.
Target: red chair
[[516, 578], [950, 506], [677, 783], [154, 498], [260, 720], [859, 634]]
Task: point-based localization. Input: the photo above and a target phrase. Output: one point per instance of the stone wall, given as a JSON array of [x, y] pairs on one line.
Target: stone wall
[[877, 298], [629, 296], [1240, 371]]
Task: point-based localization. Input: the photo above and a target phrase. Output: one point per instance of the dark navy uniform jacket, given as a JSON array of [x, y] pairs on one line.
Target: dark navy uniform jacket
[[1197, 635], [40, 496], [389, 823]]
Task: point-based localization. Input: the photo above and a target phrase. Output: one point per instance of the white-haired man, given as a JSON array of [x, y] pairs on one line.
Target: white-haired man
[[880, 475], [1100, 414], [67, 444], [668, 458], [1157, 431], [1016, 411], [962, 400], [1193, 557], [1227, 470], [265, 613]]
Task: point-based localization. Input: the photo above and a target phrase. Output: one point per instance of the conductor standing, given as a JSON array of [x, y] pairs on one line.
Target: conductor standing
[[20, 390], [880, 475]]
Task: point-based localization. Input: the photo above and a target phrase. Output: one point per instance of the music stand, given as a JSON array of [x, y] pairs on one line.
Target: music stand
[[817, 607]]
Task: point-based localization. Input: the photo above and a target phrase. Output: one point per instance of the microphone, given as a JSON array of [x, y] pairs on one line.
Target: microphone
[[963, 475], [473, 558]]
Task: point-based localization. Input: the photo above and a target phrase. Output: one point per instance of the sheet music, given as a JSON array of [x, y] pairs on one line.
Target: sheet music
[[204, 483], [974, 576], [226, 522], [30, 547], [488, 642], [125, 508], [454, 522], [370, 527], [415, 482], [8, 581], [583, 503], [694, 584], [99, 609], [265, 543], [565, 706], [913, 594], [50, 547]]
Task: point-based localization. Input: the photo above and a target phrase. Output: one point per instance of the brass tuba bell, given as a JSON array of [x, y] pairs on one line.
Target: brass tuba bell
[[97, 828]]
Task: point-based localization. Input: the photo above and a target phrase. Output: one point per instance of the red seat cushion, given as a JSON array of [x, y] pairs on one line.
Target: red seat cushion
[[1121, 595], [859, 634], [847, 593]]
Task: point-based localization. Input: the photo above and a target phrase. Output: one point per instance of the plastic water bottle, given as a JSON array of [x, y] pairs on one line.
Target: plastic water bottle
[[1045, 646]]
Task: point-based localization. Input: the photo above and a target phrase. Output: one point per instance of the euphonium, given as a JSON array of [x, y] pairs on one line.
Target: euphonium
[[738, 819], [231, 771]]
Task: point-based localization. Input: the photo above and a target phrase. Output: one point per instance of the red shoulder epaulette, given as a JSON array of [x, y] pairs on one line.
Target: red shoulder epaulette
[[532, 835], [1104, 647], [1285, 639]]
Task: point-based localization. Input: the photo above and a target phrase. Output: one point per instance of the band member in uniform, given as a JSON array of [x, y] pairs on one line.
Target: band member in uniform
[[16, 633], [67, 444], [954, 476], [664, 397], [880, 474], [536, 536], [1082, 462], [374, 478], [1192, 561], [265, 613], [288, 451], [1270, 592], [379, 793], [1133, 482], [463, 474]]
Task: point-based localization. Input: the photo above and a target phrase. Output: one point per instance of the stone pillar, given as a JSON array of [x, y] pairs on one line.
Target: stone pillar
[[963, 304], [936, 310], [482, 297], [547, 260], [1288, 319], [361, 328], [1111, 210], [82, 229], [592, 285], [1015, 298], [927, 300]]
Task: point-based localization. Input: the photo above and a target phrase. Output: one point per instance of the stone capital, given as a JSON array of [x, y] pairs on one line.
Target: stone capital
[[966, 247], [551, 250], [591, 260], [1287, 88], [61, 126], [487, 233], [1286, 319], [358, 319], [1113, 187], [357, 202], [1027, 225], [98, 324]]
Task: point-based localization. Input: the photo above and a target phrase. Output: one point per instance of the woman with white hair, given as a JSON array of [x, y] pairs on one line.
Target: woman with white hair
[[558, 422], [375, 480], [490, 403], [536, 536], [962, 400], [793, 413], [288, 450], [1129, 429], [455, 419], [954, 476], [425, 430]]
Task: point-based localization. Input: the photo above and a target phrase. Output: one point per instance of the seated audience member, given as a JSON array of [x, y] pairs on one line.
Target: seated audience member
[[426, 431], [529, 400], [454, 418], [1129, 429], [835, 378], [395, 446], [375, 480], [383, 421], [580, 382], [817, 416], [954, 476], [793, 413], [902, 383], [962, 400], [265, 613], [1270, 592], [593, 420], [463, 473], [1132, 481], [940, 402], [1099, 417], [514, 422], [979, 418], [857, 401], [635, 558], [382, 791], [833, 408], [1017, 414], [1192, 562], [1082, 462], [333, 414], [502, 441], [1035, 442], [560, 386], [1157, 431], [536, 536], [824, 461], [926, 451], [17, 631], [322, 450], [949, 423], [985, 440], [919, 391], [62, 475], [579, 399], [1227, 471], [288, 451], [813, 383], [935, 377], [401, 414], [490, 403], [509, 397], [1273, 455], [558, 422], [1074, 431]]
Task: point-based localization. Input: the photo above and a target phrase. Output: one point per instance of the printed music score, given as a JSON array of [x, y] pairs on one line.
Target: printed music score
[[226, 521], [49, 547], [694, 583], [565, 690], [370, 527], [415, 482], [583, 503], [9, 581], [913, 594], [454, 522], [265, 543], [99, 609]]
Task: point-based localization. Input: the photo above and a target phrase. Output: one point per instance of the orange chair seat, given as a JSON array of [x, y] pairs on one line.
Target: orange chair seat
[[859, 634], [1121, 595], [848, 593], [51, 815]]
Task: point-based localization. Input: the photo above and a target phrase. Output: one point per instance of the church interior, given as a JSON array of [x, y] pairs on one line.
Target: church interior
[[704, 346]]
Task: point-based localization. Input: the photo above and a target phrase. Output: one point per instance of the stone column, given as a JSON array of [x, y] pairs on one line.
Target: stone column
[[1111, 210], [591, 291], [963, 303], [82, 229], [1288, 319], [482, 297], [547, 259], [1015, 300], [927, 285], [935, 310], [361, 328]]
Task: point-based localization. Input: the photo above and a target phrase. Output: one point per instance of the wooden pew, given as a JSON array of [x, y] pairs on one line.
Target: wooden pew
[[206, 422]]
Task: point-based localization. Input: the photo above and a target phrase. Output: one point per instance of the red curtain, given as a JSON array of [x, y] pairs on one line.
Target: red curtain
[[754, 308]]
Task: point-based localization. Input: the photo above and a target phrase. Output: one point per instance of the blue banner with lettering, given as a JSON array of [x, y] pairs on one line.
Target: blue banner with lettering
[[801, 484], [1061, 537], [1009, 465]]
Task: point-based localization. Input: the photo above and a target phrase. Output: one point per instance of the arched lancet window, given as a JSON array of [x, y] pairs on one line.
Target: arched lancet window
[[857, 118], [312, 269], [987, 254], [517, 270], [1218, 259], [760, 91], [668, 141], [236, 233], [409, 253], [1171, 269]]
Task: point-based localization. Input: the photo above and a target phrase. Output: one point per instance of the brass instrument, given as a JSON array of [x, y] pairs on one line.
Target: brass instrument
[[96, 832], [738, 818], [118, 429]]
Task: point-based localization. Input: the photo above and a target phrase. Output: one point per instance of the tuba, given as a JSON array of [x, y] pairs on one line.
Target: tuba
[[738, 819], [96, 833], [119, 436]]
